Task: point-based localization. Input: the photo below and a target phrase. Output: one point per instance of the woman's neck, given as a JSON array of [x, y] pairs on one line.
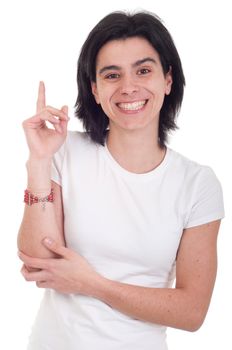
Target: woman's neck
[[136, 151]]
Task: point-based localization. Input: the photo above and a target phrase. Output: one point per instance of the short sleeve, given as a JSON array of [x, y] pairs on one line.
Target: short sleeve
[[207, 201], [57, 164]]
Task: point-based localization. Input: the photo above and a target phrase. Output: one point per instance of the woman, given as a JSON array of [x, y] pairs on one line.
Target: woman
[[112, 214]]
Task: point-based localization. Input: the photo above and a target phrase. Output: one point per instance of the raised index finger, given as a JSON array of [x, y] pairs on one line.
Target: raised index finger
[[41, 101]]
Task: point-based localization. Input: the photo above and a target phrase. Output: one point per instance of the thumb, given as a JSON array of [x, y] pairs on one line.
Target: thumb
[[65, 109], [64, 123], [55, 247]]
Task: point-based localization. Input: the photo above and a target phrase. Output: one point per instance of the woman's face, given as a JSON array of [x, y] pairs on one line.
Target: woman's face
[[130, 83]]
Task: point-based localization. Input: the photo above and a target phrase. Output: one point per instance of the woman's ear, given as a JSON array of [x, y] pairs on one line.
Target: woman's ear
[[95, 91], [168, 81]]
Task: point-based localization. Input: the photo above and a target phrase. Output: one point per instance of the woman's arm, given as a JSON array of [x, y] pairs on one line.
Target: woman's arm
[[43, 143], [37, 223], [184, 306]]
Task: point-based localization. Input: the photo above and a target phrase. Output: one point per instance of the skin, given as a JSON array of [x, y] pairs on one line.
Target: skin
[[131, 141], [133, 137], [43, 142]]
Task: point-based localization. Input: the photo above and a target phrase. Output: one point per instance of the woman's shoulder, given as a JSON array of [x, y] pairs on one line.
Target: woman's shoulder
[[79, 140], [74, 136], [190, 167]]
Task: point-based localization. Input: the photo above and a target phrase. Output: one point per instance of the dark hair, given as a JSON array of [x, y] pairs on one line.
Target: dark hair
[[122, 25]]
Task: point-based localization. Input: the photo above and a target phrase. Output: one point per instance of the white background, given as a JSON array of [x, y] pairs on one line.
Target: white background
[[40, 40]]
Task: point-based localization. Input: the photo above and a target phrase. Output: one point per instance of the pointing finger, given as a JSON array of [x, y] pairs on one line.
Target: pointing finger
[[41, 100]]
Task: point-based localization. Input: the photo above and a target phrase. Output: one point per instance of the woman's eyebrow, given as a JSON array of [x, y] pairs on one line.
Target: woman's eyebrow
[[146, 59], [136, 64], [112, 67]]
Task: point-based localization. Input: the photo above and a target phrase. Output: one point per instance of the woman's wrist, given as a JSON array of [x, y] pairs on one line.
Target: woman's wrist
[[38, 161], [39, 175]]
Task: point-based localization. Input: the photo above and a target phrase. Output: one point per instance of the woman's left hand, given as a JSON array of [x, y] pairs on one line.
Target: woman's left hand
[[69, 273]]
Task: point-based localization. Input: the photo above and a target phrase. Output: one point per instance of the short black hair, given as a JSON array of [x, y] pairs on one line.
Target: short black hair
[[122, 25]]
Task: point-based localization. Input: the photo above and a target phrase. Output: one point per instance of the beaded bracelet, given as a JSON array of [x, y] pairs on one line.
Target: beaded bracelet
[[30, 199]]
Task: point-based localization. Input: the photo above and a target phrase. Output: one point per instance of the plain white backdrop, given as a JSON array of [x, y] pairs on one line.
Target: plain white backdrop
[[41, 40]]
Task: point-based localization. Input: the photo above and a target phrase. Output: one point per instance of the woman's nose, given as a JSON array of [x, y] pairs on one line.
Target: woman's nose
[[128, 85]]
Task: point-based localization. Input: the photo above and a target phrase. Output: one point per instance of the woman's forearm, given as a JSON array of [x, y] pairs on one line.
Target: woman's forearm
[[166, 306], [39, 222]]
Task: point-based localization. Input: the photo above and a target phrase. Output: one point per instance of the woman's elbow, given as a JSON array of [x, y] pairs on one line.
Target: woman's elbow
[[33, 247], [194, 322]]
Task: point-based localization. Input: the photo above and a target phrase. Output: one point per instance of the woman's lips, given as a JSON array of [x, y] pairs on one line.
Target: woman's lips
[[132, 106]]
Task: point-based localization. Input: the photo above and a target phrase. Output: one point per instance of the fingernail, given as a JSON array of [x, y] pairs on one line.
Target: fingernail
[[48, 241]]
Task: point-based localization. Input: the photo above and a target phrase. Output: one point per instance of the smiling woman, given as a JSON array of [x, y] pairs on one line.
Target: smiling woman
[[133, 87], [96, 58], [134, 214]]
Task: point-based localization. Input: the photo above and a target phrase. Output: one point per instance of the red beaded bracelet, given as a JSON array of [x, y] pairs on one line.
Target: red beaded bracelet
[[30, 199]]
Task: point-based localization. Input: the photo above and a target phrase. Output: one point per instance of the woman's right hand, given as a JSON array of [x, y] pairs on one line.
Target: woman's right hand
[[42, 141]]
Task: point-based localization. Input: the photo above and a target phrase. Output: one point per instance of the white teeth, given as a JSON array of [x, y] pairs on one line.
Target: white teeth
[[132, 106]]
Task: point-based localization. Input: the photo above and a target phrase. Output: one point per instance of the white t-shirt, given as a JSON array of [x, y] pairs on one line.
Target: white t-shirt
[[128, 226]]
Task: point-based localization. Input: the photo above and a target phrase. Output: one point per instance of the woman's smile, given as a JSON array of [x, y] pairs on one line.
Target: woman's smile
[[132, 107]]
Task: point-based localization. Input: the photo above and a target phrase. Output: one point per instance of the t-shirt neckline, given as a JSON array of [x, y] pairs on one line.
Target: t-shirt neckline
[[134, 176]]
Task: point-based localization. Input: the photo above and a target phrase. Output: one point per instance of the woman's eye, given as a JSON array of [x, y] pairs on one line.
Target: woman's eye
[[112, 76], [143, 71]]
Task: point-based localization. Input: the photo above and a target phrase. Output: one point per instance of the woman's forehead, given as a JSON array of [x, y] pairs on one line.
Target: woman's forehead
[[129, 50]]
